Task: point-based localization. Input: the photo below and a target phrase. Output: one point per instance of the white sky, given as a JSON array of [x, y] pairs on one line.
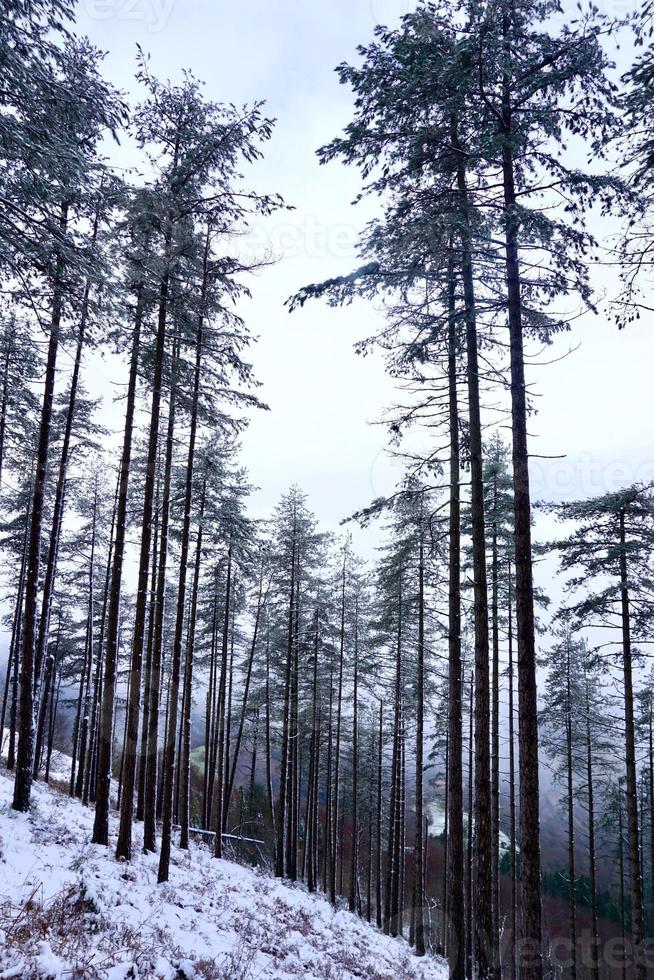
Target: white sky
[[594, 407]]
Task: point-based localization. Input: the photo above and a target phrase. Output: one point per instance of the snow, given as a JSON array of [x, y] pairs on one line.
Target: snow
[[67, 908]]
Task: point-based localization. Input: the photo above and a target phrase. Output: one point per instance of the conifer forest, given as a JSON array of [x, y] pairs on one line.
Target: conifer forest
[[429, 720]]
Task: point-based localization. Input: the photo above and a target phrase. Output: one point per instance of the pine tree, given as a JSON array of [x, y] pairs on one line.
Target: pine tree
[[610, 547]]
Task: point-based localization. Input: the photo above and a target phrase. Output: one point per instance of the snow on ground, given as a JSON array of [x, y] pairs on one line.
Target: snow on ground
[[68, 909]]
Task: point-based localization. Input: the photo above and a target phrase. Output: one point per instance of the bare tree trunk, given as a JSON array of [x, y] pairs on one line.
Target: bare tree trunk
[[311, 826], [124, 843], [637, 908], [88, 792], [269, 782], [392, 872], [378, 832], [495, 743], [337, 744], [470, 902], [419, 898], [27, 675], [185, 755], [513, 851], [12, 660], [354, 865], [105, 732], [84, 731], [169, 748], [59, 502], [482, 870], [455, 942], [246, 690], [152, 694], [651, 797], [282, 805], [219, 780], [623, 927], [147, 682], [592, 860], [571, 827], [531, 967]]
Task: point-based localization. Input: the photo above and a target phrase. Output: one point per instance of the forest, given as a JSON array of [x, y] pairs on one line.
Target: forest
[[426, 737]]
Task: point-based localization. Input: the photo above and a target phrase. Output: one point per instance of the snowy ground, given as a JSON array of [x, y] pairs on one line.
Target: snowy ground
[[67, 909]]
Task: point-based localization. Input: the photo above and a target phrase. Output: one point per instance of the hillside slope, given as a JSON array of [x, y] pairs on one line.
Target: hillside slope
[[68, 909]]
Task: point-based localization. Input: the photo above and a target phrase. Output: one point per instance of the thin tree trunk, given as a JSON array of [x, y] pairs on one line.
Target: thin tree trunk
[[153, 693], [419, 899], [246, 690], [513, 851], [219, 780], [124, 842], [282, 815], [337, 744], [482, 870], [84, 732], [470, 903], [495, 741], [592, 861], [623, 927], [354, 868], [378, 831], [25, 752], [169, 749], [12, 660], [59, 501], [571, 827], [89, 778], [531, 967], [269, 781], [637, 908], [185, 755], [105, 732]]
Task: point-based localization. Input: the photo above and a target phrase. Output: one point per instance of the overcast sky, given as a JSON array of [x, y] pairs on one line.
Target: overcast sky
[[594, 407]]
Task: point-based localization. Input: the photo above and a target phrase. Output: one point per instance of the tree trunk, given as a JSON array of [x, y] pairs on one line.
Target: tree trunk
[[419, 899], [637, 908], [246, 691], [185, 755], [219, 780], [531, 967], [513, 915], [152, 802], [59, 502], [470, 903], [25, 752], [105, 732], [495, 742], [592, 861], [572, 916], [169, 748], [124, 843], [12, 660], [354, 866], [482, 870], [282, 815], [89, 778], [337, 743], [269, 781], [455, 863], [378, 831]]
